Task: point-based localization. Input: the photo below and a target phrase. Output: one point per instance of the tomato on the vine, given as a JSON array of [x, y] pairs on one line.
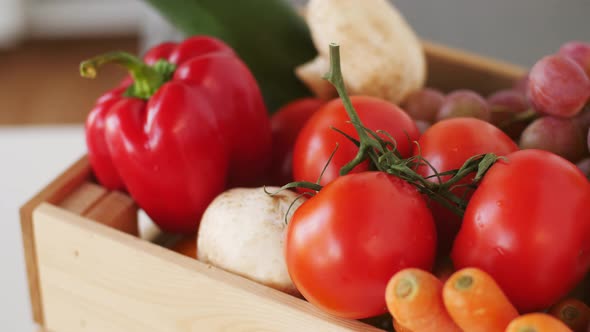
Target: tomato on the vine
[[317, 140], [446, 146], [528, 225], [286, 124], [345, 243]]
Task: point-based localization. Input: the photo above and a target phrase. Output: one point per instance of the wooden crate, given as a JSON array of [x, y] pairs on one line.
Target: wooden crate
[[89, 271]]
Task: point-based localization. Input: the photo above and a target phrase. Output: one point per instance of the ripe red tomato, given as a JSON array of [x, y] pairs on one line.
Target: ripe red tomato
[[528, 225], [447, 145], [345, 243], [286, 124], [317, 140]]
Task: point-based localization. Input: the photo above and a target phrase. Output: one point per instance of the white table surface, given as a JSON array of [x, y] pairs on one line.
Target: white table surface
[[30, 157]]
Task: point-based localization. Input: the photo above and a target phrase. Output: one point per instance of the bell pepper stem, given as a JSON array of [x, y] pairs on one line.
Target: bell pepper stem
[[146, 79]]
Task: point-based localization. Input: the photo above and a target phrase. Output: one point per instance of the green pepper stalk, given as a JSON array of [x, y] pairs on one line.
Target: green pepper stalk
[[146, 79]]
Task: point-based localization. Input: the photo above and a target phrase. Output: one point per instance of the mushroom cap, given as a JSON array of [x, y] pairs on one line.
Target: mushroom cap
[[243, 231], [380, 53]]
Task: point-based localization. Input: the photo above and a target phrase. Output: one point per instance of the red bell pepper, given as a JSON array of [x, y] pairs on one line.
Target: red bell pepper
[[189, 123]]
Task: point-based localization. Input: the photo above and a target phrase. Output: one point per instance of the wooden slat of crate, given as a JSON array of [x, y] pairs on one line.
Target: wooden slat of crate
[[450, 69], [72, 191], [55, 192], [116, 210], [111, 208], [83, 198], [95, 278]]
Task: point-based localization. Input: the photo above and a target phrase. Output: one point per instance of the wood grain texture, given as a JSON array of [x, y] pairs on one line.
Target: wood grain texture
[[111, 208], [81, 199], [40, 82], [54, 192], [95, 278], [116, 210]]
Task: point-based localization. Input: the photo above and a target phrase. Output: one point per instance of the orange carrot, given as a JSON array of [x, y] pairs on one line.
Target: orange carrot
[[187, 246], [537, 322], [400, 328], [414, 298], [476, 302], [574, 313]]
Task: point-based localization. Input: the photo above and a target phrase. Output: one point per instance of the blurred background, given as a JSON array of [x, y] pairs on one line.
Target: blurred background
[[42, 42], [43, 100]]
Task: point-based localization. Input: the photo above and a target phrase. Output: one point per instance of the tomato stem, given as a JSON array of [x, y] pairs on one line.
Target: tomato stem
[[326, 165], [335, 77], [380, 149], [385, 157]]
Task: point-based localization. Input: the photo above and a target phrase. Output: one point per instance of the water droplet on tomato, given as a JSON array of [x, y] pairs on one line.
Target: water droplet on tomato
[[500, 251]]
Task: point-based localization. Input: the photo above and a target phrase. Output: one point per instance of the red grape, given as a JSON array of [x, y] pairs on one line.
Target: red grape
[[521, 84], [464, 104], [558, 86], [505, 106], [422, 125], [562, 136], [424, 104], [583, 118], [579, 52]]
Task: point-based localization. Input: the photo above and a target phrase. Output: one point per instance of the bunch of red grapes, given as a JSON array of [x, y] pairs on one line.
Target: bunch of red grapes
[[548, 109]]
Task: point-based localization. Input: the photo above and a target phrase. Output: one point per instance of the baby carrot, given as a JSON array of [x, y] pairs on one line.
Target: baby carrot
[[187, 246], [414, 298], [574, 313], [400, 328], [476, 302], [537, 322]]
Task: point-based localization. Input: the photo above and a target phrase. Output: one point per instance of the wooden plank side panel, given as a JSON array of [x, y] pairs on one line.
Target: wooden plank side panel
[[56, 191], [73, 191], [111, 208], [116, 210], [94, 278], [81, 199], [450, 69]]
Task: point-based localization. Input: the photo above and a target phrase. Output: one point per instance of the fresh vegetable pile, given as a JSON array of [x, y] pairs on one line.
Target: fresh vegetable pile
[[161, 135], [445, 212]]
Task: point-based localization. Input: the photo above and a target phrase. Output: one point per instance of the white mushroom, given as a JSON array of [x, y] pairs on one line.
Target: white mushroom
[[381, 55], [243, 231]]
